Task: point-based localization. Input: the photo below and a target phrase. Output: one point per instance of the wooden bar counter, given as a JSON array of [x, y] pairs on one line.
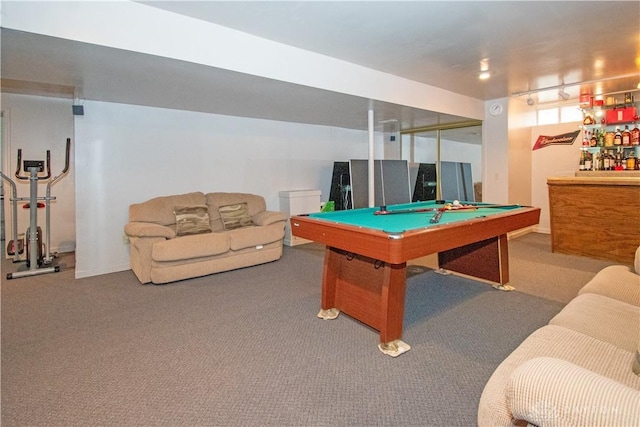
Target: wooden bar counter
[[595, 216]]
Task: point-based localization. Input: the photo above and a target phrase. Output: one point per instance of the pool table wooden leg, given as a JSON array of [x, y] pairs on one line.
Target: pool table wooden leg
[[368, 290], [392, 302]]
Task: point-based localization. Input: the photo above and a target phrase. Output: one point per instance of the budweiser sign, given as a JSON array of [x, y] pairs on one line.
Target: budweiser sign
[[564, 139]]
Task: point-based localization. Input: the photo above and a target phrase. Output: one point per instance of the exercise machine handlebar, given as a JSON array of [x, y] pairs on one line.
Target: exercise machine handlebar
[[47, 257], [14, 228], [29, 164]]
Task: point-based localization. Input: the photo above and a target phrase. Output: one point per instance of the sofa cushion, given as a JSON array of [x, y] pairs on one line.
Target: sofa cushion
[[242, 238], [268, 217], [558, 342], [192, 220], [148, 229], [604, 318], [546, 391], [615, 281], [160, 209], [235, 216], [255, 204], [190, 247]]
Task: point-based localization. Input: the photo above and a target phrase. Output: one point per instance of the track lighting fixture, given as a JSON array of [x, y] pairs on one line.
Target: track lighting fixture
[[562, 86], [530, 100], [564, 95]]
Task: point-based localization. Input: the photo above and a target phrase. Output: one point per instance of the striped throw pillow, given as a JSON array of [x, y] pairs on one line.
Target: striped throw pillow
[[235, 216], [192, 220]]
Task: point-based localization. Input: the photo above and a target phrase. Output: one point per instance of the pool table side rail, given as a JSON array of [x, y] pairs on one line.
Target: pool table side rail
[[412, 244]]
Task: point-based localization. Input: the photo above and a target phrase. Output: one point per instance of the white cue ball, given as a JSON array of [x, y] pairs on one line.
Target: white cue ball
[[456, 203]]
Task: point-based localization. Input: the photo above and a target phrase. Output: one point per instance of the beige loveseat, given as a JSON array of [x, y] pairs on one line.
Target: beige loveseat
[[581, 369], [195, 234]]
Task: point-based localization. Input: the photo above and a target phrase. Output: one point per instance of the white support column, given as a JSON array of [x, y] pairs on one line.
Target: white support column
[[371, 160]]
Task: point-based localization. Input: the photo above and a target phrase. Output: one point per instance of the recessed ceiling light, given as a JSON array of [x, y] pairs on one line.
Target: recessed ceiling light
[[484, 73]]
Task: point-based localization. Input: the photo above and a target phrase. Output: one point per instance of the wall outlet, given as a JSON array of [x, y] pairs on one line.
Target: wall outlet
[[125, 239]]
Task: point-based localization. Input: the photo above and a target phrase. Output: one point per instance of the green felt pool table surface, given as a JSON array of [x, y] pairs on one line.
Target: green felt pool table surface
[[398, 223]]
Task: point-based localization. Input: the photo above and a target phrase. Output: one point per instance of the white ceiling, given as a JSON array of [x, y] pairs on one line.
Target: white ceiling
[[529, 44]]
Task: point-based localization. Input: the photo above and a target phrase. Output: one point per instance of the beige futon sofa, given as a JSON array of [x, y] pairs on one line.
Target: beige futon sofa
[[581, 369], [196, 234]]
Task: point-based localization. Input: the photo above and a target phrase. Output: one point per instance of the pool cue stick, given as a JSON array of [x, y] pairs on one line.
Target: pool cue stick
[[436, 218], [383, 210], [403, 211]]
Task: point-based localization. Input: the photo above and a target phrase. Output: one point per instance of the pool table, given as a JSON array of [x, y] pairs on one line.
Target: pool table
[[364, 272]]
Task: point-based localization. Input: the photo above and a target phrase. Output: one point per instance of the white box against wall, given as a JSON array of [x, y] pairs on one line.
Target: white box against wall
[[298, 202]]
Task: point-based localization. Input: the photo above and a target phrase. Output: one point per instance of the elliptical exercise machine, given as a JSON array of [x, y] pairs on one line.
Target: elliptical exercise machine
[[38, 255]]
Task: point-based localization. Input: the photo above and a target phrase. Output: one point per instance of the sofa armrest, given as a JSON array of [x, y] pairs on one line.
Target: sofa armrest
[[546, 391], [268, 217], [148, 229]]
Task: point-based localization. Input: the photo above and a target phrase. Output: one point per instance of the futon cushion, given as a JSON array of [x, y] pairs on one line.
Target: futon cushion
[[235, 216], [192, 220]]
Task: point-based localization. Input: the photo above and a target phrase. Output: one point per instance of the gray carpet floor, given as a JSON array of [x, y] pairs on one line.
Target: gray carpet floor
[[244, 348]]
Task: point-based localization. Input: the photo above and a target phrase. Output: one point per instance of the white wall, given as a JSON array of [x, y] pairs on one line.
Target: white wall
[[127, 154], [495, 156], [554, 160], [37, 124], [521, 118]]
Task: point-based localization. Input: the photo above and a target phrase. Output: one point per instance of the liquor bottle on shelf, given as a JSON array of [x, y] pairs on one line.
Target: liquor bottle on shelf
[[612, 161], [608, 139], [618, 160], [601, 161], [626, 136], [606, 161], [588, 163], [581, 163], [635, 135], [617, 139], [601, 133], [593, 141]]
